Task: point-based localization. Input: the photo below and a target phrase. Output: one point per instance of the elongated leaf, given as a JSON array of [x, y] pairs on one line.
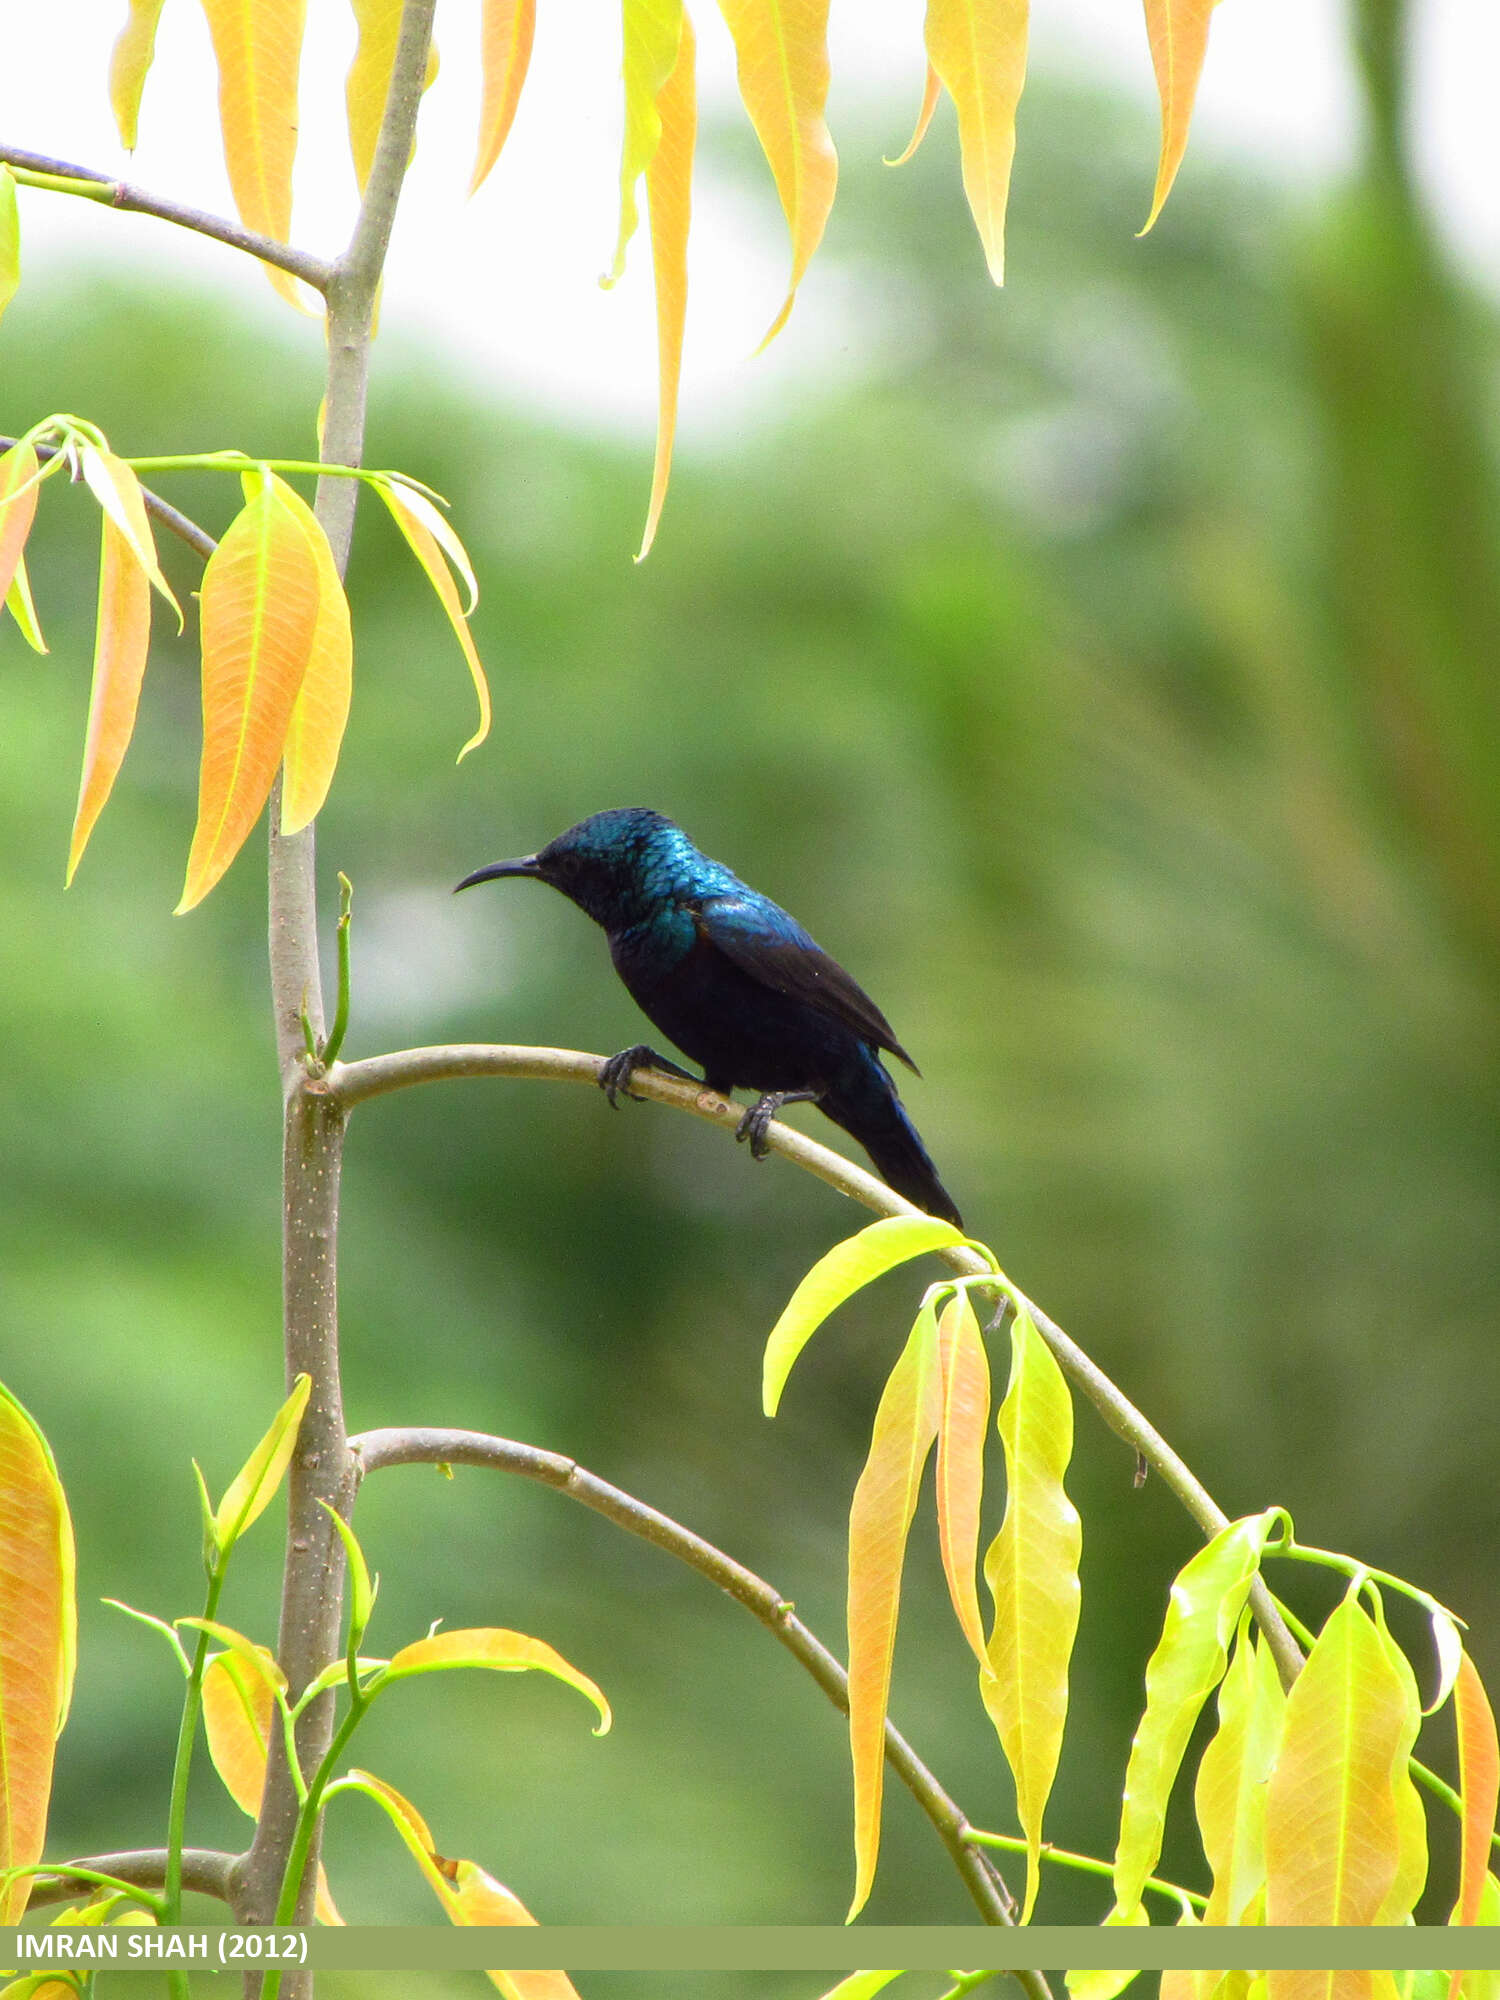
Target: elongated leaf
[[862, 1985], [1191, 1655], [846, 1268], [258, 48], [932, 90], [239, 1707], [261, 596], [1333, 1834], [782, 52], [369, 80], [420, 522], [1481, 1985], [18, 603], [1230, 1794], [315, 732], [1479, 1783], [978, 48], [122, 638], [362, 1586], [38, 1639], [18, 497], [504, 1652], [1178, 32], [1411, 1822], [1104, 1984], [114, 485], [129, 63], [885, 1499], [669, 195], [505, 52], [1032, 1573], [10, 238], [964, 1371], [254, 1486], [653, 37]]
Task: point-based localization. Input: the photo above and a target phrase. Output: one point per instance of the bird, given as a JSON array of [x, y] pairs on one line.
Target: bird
[[737, 985]]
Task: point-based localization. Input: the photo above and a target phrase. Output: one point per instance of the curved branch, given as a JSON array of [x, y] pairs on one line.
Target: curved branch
[[374, 1450], [198, 539], [91, 185], [204, 1870], [353, 1083]]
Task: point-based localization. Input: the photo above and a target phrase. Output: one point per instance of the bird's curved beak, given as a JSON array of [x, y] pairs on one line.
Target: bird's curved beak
[[526, 865]]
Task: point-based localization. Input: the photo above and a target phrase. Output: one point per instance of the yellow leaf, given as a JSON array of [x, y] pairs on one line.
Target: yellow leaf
[[669, 197], [504, 1652], [369, 81], [258, 619], [1178, 32], [38, 1640], [18, 603], [321, 710], [121, 638], [258, 48], [1478, 1782], [782, 51], [653, 36], [885, 1499], [10, 238], [1103, 1983], [239, 1707], [428, 536], [18, 497], [1230, 1792], [1032, 1573], [114, 485], [978, 48], [254, 1486], [129, 63], [932, 90], [505, 51], [1411, 1821], [965, 1375]]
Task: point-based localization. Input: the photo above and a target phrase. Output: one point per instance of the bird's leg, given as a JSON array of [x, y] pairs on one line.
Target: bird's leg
[[753, 1125], [617, 1072]]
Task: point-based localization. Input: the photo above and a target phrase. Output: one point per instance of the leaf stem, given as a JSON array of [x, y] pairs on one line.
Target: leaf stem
[[1086, 1864], [329, 1054], [187, 1731]]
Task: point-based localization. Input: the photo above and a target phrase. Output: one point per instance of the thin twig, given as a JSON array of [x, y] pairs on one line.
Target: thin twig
[[353, 1083], [204, 1870], [314, 271], [198, 539]]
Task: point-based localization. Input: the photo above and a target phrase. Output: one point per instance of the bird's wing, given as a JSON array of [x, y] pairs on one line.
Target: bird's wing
[[761, 939]]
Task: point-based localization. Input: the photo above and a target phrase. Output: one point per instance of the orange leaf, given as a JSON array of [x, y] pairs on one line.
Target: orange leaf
[[321, 710], [239, 1705], [978, 48], [669, 196], [258, 48], [1478, 1781], [885, 1499], [259, 617], [965, 1373], [121, 638], [129, 63], [18, 475], [505, 50], [428, 536], [38, 1637], [932, 90], [1178, 32], [782, 48]]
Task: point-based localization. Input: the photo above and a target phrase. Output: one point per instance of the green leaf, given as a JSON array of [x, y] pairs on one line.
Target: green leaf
[[1230, 1794], [361, 1589], [10, 239], [862, 1985], [254, 1486], [846, 1269], [1104, 1985]]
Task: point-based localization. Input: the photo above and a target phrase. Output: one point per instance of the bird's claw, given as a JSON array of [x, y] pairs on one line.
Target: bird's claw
[[617, 1072], [753, 1126]]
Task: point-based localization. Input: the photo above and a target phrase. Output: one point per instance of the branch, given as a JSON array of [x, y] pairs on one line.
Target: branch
[[204, 1870], [377, 1449], [353, 1083], [198, 539], [36, 170]]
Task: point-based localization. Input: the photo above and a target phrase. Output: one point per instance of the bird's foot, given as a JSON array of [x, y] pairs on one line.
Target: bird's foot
[[617, 1072], [753, 1125]]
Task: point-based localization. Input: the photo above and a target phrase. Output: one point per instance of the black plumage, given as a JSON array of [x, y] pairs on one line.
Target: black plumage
[[737, 984]]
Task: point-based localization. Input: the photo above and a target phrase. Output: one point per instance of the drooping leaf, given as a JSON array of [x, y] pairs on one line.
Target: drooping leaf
[[1178, 32], [653, 37], [38, 1640], [1333, 1831], [964, 1371], [782, 52], [315, 732], [114, 485], [18, 602], [1447, 1643], [258, 618], [846, 1268], [885, 1499], [10, 238], [18, 497], [429, 537], [239, 1708], [1230, 1793], [508, 29], [1104, 1984], [503, 1652], [978, 48], [932, 90], [1481, 1985], [1411, 1821], [1032, 1572], [258, 49], [129, 63], [669, 198], [369, 80], [362, 1586], [1479, 1784], [254, 1486], [1207, 1598]]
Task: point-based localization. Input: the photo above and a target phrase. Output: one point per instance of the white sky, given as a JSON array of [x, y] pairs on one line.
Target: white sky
[[504, 289]]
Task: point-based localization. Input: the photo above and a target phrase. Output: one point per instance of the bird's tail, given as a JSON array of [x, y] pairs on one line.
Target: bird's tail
[[870, 1110]]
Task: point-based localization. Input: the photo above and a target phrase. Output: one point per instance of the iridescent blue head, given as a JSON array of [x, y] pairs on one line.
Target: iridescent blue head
[[618, 866]]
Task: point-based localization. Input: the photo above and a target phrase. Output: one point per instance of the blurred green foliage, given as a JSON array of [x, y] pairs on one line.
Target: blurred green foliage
[[1105, 672]]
